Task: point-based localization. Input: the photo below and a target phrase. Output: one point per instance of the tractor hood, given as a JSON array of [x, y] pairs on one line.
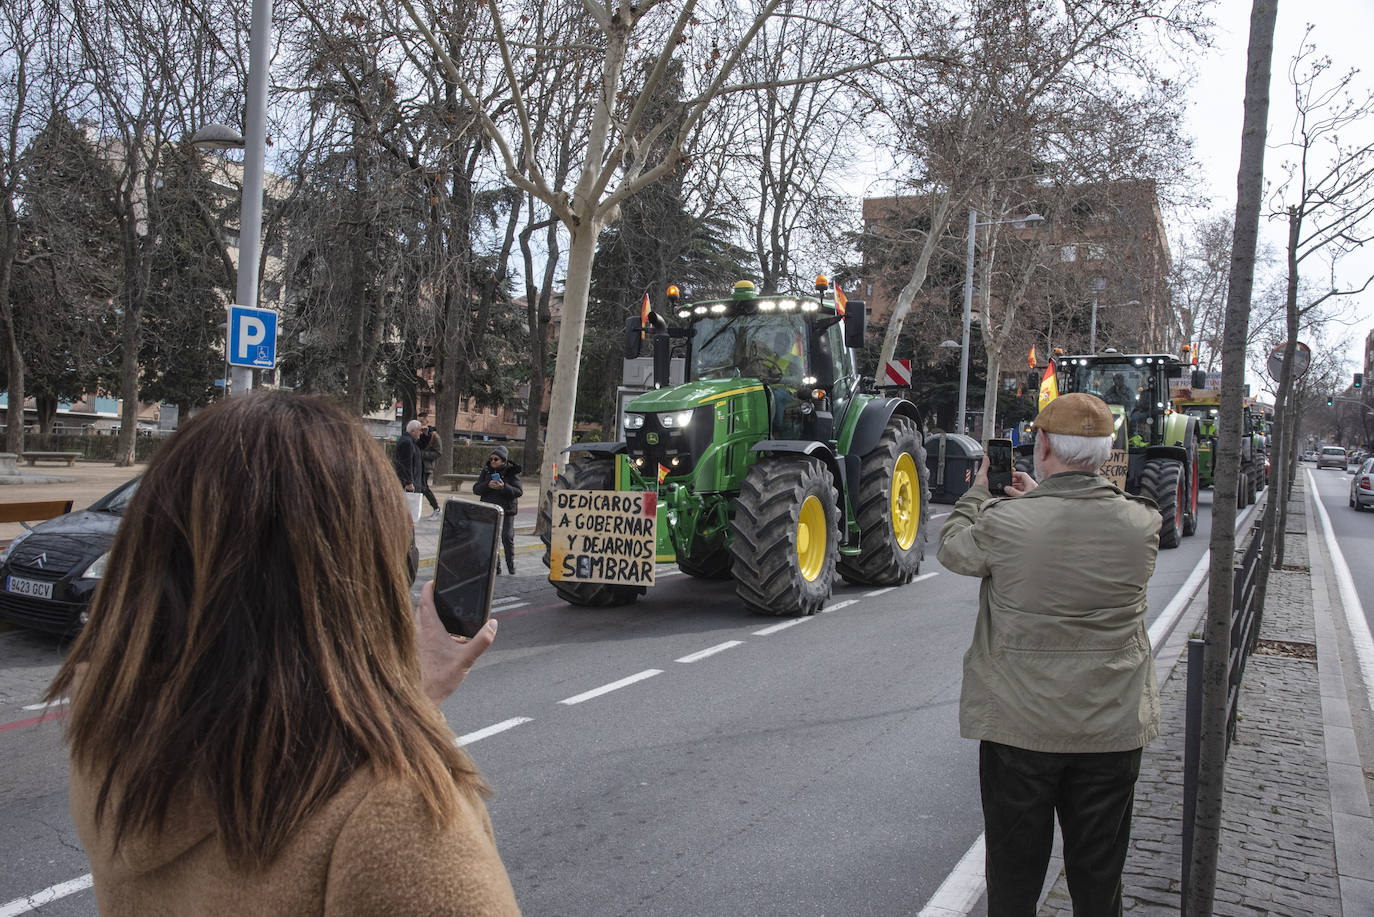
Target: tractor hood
[[691, 395]]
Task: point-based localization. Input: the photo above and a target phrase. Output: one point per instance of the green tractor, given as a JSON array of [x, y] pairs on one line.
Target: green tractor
[[1205, 406], [774, 462], [1160, 445]]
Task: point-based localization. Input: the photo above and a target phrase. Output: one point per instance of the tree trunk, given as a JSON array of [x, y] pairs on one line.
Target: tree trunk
[[46, 408], [563, 402], [14, 416], [939, 219], [1285, 417], [537, 308], [1249, 194]]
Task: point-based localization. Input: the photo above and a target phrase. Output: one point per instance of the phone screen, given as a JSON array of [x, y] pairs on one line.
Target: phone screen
[[465, 566], [999, 465]]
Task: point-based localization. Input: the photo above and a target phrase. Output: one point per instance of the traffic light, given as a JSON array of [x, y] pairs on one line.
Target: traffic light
[[1359, 380], [1330, 400]]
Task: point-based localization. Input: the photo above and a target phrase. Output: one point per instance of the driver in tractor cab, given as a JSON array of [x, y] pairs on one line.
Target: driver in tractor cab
[[783, 369]]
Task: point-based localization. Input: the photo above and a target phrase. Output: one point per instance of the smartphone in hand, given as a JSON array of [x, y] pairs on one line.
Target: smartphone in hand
[[465, 565], [1000, 465]]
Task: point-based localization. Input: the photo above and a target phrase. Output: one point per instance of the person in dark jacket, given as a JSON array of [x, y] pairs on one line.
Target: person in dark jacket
[[409, 465], [429, 454], [499, 483]]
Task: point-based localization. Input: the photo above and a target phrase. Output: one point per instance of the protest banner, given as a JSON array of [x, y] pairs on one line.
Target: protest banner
[[603, 536], [1116, 467]]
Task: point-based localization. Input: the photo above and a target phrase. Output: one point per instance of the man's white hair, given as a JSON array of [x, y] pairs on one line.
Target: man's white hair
[[415, 425], [1088, 453]]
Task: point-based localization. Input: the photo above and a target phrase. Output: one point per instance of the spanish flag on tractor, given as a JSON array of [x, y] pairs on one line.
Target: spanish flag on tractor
[[840, 301], [1049, 386]]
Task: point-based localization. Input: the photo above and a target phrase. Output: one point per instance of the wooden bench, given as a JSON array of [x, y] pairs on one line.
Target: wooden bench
[[33, 458], [32, 511], [456, 481]]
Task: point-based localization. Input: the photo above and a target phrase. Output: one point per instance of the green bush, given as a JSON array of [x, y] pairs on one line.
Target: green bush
[[93, 447], [470, 459]]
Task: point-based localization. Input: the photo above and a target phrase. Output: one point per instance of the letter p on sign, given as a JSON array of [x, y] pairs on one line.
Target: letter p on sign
[[252, 332], [252, 337]]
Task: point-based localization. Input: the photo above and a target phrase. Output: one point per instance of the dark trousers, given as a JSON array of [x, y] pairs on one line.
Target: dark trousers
[[1093, 795], [508, 538], [424, 489]]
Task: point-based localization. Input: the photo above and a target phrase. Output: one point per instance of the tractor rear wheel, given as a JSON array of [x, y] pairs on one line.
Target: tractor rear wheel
[[891, 508], [786, 531], [1190, 498], [587, 474], [1243, 494], [1162, 480]]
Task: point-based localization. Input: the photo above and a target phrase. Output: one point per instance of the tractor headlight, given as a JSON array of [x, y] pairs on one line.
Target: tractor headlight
[[676, 420], [634, 421]]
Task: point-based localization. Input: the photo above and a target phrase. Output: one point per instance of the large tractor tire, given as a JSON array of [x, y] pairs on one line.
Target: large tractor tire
[[1163, 481], [891, 506], [1244, 496], [712, 565], [1190, 498], [587, 474], [1024, 464], [786, 531]]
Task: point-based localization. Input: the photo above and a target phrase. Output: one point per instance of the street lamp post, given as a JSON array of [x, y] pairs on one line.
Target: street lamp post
[[1092, 328], [973, 225]]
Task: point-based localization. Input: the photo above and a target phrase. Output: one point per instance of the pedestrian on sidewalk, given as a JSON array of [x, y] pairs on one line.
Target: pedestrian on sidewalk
[[255, 723], [499, 483], [1059, 682], [428, 442], [409, 463]]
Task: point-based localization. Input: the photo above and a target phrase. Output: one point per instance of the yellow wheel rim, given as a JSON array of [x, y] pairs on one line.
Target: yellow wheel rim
[[906, 501], [811, 539]]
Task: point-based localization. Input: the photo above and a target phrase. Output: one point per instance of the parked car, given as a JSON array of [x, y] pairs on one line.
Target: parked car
[[1353, 462], [1362, 486], [1331, 457], [48, 573], [1310, 455]]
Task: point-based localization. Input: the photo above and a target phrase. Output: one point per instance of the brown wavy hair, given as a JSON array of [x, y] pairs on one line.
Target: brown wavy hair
[[253, 641]]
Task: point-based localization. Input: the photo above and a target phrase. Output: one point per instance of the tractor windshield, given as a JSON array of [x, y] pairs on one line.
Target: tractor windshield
[[767, 346], [1116, 383]]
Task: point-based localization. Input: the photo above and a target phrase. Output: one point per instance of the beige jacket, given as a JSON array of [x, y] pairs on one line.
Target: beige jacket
[[369, 851], [1060, 660]]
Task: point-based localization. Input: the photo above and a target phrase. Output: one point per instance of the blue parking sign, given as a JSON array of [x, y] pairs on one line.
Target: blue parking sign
[[252, 337]]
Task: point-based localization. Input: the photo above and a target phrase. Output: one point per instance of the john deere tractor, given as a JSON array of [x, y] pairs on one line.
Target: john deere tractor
[[1160, 443], [774, 462]]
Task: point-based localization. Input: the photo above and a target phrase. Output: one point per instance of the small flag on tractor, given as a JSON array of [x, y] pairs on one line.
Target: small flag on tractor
[[1030, 360], [840, 301], [662, 472], [1049, 386], [643, 315]]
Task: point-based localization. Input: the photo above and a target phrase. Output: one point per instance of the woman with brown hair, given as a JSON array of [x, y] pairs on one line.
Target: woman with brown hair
[[254, 706]]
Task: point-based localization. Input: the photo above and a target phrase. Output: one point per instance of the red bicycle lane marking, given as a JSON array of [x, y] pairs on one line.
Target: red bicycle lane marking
[[35, 720]]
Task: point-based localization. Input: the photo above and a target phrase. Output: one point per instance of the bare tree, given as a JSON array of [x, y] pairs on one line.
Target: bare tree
[[1202, 870]]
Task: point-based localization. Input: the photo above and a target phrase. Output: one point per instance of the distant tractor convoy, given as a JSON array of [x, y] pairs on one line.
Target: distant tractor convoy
[[776, 464]]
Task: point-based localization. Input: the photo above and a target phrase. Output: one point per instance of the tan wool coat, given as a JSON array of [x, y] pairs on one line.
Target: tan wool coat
[[1060, 659], [369, 851]]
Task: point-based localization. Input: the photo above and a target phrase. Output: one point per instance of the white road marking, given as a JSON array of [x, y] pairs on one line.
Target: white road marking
[[1355, 619], [46, 896], [838, 605], [773, 629], [877, 592], [47, 704], [493, 729], [506, 600], [939, 515], [613, 686], [511, 607], [660, 574], [924, 576], [962, 888], [711, 650]]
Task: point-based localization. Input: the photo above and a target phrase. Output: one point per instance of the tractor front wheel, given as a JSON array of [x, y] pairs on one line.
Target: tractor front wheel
[[891, 508], [588, 474], [1190, 514], [786, 530], [1163, 481]]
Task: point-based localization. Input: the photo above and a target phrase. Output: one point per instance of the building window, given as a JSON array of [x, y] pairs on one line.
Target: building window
[[1068, 253]]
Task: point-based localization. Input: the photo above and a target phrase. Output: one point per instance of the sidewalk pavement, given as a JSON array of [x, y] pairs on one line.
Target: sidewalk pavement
[[1297, 834]]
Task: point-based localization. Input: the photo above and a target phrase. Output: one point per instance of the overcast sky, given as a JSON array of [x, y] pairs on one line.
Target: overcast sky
[[1344, 31]]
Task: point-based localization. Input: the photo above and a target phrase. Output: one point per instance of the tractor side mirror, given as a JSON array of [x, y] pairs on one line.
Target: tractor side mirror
[[632, 337], [854, 327], [1173, 371], [1199, 379]]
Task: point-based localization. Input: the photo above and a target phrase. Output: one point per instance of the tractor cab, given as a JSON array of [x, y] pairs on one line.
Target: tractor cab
[[1135, 387]]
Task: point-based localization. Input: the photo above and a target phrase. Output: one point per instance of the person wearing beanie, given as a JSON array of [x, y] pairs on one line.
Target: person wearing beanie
[[1059, 683], [499, 483]]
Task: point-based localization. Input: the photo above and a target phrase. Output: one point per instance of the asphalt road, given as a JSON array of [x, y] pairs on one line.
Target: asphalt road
[[1354, 532], [677, 756]]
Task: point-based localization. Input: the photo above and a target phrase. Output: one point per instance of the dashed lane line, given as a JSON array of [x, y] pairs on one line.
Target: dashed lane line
[[838, 605], [774, 628], [48, 704], [493, 729], [613, 686], [46, 896], [711, 651]]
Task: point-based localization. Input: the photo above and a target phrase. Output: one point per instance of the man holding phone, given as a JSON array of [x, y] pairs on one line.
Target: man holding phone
[[1059, 682], [499, 483]]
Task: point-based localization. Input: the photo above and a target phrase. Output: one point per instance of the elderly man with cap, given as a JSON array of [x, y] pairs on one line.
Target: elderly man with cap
[[1059, 683]]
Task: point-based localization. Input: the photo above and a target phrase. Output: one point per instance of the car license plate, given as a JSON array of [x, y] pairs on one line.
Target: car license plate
[[36, 588]]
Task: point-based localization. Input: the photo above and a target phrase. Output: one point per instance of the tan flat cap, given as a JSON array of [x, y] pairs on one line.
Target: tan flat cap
[[1076, 414]]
